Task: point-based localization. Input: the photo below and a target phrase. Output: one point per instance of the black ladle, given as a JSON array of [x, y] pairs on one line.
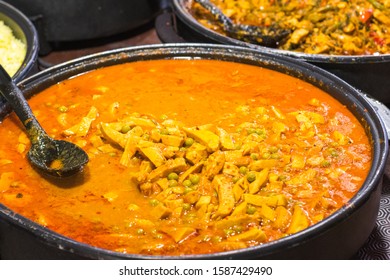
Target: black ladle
[[264, 36], [52, 157]]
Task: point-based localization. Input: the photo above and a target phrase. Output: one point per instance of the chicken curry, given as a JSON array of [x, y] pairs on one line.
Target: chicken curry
[[187, 157]]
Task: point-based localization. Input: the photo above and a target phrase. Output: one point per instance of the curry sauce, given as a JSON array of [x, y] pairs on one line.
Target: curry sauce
[[187, 157]]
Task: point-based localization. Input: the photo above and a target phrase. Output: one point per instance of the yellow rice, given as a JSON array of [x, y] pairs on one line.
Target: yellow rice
[[12, 50]]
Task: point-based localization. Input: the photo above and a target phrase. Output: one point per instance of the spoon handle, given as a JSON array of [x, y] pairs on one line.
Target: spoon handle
[[15, 98], [217, 13]]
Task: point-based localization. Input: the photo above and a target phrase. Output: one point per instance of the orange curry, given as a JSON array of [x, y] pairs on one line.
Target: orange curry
[[187, 157]]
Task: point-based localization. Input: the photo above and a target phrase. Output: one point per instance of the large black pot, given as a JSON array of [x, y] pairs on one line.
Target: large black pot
[[369, 73], [336, 237], [60, 21], [24, 30]]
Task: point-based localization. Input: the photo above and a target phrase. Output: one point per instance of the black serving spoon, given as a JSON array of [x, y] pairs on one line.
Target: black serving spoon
[[52, 157], [264, 36]]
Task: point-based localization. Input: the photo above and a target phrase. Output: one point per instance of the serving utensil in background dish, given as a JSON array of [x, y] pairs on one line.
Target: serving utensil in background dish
[[53, 157], [264, 36]]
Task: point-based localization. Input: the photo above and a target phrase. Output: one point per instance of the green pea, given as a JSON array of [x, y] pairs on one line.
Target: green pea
[[194, 178], [251, 176], [273, 149], [173, 176], [251, 209], [266, 155], [243, 170], [254, 156], [187, 190], [188, 142], [187, 183], [172, 183], [153, 202], [125, 128]]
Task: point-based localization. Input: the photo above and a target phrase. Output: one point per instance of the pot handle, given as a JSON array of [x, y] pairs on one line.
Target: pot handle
[[382, 110], [165, 24]]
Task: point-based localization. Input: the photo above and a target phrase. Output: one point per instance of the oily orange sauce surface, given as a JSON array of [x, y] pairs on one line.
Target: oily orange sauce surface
[[287, 155]]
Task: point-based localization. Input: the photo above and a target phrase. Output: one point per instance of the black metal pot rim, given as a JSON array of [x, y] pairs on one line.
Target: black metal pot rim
[[218, 52], [31, 38], [182, 12]]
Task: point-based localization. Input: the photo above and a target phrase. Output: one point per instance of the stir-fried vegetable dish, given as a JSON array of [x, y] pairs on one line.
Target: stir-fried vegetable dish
[[183, 161], [336, 27]]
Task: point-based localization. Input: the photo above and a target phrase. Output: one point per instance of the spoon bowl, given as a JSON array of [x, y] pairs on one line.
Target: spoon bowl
[[52, 157], [265, 36]]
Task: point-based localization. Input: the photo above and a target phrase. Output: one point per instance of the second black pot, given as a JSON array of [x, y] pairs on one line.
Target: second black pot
[[75, 20], [369, 73]]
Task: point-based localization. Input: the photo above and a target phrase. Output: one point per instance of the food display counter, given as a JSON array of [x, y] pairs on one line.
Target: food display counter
[[160, 31]]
